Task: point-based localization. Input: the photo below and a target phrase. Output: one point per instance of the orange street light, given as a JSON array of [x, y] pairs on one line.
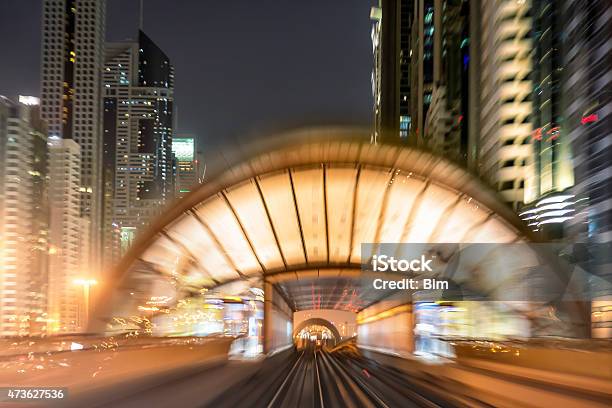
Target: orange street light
[[86, 283]]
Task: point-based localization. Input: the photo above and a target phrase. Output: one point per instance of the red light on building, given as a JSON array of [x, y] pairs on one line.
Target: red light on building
[[589, 119], [537, 134], [553, 132]]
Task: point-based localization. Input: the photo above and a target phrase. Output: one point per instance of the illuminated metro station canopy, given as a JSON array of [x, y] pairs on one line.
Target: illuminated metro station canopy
[[298, 207]]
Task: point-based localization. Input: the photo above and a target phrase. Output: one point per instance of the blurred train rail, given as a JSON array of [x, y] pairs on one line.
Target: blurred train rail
[[202, 375]]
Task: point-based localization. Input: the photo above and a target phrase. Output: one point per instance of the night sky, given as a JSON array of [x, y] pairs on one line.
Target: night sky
[[244, 68]]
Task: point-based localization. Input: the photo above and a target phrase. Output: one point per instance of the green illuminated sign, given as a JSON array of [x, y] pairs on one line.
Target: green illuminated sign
[[183, 148], [128, 234]]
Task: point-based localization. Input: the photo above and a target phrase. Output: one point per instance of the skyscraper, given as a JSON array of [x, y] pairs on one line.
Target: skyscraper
[[588, 123], [66, 236], [72, 59], [138, 131], [549, 202], [391, 76], [422, 74], [505, 88], [39, 274], [110, 230], [553, 170], [448, 116], [23, 218]]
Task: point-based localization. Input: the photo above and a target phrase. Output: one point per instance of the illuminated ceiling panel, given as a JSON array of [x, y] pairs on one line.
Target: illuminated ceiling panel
[[340, 191], [431, 210], [164, 255], [246, 202], [370, 193], [226, 230], [402, 193], [331, 293], [198, 241], [464, 216], [278, 195], [493, 230], [308, 185]]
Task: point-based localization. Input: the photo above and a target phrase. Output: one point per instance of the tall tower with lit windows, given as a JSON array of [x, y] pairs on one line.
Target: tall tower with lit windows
[[23, 218], [138, 131], [504, 144], [66, 236], [72, 60], [550, 205], [447, 120], [391, 76]]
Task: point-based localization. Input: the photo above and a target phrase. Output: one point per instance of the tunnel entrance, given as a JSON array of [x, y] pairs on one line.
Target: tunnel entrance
[[316, 332]]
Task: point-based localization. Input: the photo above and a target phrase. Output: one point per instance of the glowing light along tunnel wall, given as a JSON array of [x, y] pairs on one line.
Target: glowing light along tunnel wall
[[387, 326], [278, 320]]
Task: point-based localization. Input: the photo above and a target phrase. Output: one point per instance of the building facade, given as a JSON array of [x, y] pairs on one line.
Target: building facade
[[391, 75], [67, 232], [553, 170], [40, 218], [138, 131], [23, 218], [447, 118], [422, 75], [71, 64], [588, 124], [549, 202], [505, 148]]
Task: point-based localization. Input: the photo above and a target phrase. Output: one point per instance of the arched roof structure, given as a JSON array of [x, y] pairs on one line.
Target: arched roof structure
[[298, 207]]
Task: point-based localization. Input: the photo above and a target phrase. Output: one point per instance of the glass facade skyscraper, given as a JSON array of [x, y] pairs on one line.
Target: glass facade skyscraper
[[588, 120], [448, 115], [552, 154], [138, 131], [391, 76], [551, 169]]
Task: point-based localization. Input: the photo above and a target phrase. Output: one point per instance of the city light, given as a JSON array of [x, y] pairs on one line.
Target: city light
[[589, 118], [435, 230], [85, 282], [29, 100]]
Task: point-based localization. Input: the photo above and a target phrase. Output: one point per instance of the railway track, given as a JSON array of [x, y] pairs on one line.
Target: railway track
[[313, 378]]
